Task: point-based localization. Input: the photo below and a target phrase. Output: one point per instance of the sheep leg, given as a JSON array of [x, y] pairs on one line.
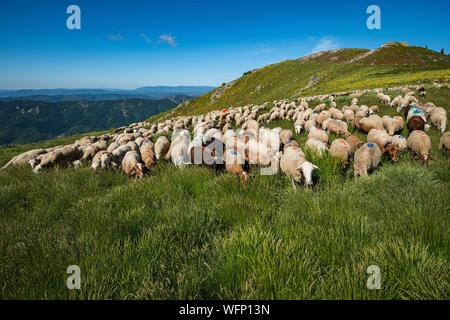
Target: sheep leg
[[293, 184]]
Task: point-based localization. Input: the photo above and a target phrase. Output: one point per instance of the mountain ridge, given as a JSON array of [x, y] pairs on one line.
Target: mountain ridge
[[324, 72]]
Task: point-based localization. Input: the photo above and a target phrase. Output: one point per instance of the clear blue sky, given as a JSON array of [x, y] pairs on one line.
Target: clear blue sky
[[127, 44]]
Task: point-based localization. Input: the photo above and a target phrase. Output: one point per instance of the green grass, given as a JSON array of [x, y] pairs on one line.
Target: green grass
[[191, 234]]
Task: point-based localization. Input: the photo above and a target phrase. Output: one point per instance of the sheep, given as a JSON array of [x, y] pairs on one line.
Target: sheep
[[295, 166], [90, 151], [420, 144], [148, 153], [285, 136], [399, 141], [131, 164], [124, 138], [316, 146], [134, 146], [336, 113], [235, 164], [251, 125], [118, 153], [444, 142], [335, 126], [385, 99], [366, 158], [384, 142], [258, 153], [354, 142], [311, 123], [439, 118], [24, 158], [211, 134], [298, 125], [61, 156], [372, 122], [179, 147], [374, 109], [320, 108], [319, 134], [341, 149], [392, 124], [349, 115], [112, 147], [97, 160], [324, 115], [162, 146], [416, 123]]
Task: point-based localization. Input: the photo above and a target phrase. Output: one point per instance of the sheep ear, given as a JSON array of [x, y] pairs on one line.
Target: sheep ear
[[316, 167]]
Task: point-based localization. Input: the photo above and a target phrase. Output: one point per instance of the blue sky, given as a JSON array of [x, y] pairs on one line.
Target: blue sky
[[127, 44]]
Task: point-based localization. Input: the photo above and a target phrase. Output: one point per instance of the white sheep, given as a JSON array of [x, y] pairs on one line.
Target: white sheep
[[316, 146], [444, 141], [366, 158], [420, 144], [295, 166], [341, 149], [319, 134]]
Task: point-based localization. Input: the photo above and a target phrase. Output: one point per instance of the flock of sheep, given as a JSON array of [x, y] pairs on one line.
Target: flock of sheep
[[216, 144]]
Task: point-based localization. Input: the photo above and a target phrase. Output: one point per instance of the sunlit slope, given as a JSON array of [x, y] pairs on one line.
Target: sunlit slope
[[325, 72]]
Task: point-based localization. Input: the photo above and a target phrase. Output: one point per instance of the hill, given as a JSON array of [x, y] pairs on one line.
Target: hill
[[325, 72], [23, 121], [149, 92]]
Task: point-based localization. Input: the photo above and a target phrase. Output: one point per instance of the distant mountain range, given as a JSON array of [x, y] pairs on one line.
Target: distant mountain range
[[24, 120], [177, 93]]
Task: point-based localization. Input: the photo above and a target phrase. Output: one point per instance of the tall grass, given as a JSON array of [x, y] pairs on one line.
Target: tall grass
[[192, 234]]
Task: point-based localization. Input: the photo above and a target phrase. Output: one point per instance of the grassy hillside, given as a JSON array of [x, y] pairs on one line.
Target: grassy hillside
[[23, 121], [336, 71], [192, 234]]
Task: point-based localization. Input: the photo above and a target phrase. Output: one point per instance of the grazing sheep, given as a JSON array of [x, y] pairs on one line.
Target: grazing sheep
[[420, 144], [251, 125], [61, 156], [336, 113], [295, 166], [285, 136], [179, 147], [374, 109], [372, 122], [298, 125], [439, 118], [354, 142], [341, 149], [367, 158], [90, 151], [24, 158], [316, 146], [235, 164], [399, 141], [112, 147], [444, 142], [416, 123], [392, 124], [162, 146], [320, 108], [349, 115], [311, 123], [324, 115], [335, 126], [319, 134], [131, 164], [118, 153], [384, 142], [124, 138], [97, 160], [148, 153]]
